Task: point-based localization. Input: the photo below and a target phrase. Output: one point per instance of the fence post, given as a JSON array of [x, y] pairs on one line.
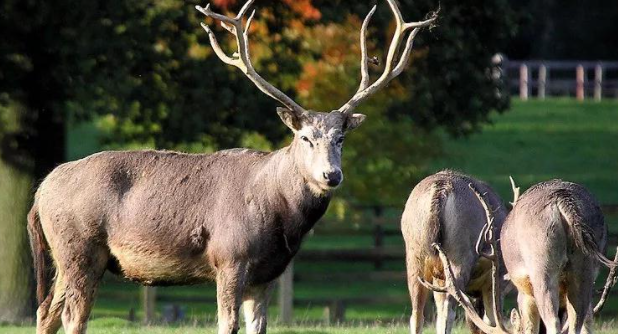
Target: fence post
[[579, 78], [598, 82], [378, 235], [542, 81], [334, 313], [286, 295], [149, 296], [523, 82]]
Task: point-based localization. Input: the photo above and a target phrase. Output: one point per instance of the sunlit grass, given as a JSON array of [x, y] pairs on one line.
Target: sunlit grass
[[119, 326], [541, 140]]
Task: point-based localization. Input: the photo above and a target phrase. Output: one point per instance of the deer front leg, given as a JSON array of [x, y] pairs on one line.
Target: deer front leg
[[230, 286], [255, 307]]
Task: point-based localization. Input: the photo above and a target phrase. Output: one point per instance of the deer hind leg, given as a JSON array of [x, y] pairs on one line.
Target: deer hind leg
[[547, 297], [50, 311], [230, 288], [579, 296], [255, 307], [445, 304], [445, 312], [530, 319], [83, 273], [418, 297], [588, 323]]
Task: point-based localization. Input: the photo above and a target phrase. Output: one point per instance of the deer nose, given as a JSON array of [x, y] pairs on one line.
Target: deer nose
[[333, 178]]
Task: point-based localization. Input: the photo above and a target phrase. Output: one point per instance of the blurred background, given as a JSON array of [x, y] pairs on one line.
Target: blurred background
[[500, 87]]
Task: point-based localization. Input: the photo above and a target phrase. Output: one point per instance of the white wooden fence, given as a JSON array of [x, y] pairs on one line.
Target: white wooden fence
[[541, 78]]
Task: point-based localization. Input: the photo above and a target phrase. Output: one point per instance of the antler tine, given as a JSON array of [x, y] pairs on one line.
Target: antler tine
[[515, 191], [612, 278], [480, 241], [241, 58], [460, 296], [249, 20], [391, 70], [244, 10], [363, 46], [488, 233]]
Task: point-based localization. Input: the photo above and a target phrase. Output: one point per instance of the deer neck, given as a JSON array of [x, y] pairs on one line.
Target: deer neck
[[292, 180], [288, 186]]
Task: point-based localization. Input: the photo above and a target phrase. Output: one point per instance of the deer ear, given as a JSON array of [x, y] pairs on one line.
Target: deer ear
[[353, 121], [289, 118]]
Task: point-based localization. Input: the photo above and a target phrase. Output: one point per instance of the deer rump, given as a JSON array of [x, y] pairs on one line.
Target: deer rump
[[559, 220], [553, 243], [442, 210]]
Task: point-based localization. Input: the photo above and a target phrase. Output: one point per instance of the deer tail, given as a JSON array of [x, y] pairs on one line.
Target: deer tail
[[580, 232], [440, 191], [39, 247]]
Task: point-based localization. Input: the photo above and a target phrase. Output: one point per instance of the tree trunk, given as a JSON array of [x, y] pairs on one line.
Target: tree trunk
[[27, 153], [16, 282]]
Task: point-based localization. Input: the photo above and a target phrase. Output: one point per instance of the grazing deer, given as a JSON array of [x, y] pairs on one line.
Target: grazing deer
[[441, 209], [552, 242], [236, 216]]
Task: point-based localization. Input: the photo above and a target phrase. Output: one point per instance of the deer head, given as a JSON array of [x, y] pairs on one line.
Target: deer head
[[318, 136]]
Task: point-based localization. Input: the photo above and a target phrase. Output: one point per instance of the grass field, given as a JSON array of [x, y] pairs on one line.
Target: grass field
[[534, 141], [119, 326], [541, 140]]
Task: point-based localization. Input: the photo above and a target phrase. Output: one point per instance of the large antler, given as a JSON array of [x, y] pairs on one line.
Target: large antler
[[242, 59], [486, 236], [391, 70]]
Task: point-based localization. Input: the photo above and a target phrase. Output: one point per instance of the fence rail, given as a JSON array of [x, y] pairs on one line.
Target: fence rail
[[582, 79]]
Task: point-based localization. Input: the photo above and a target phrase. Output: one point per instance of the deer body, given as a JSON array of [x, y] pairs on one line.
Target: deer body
[[164, 218], [553, 242], [236, 216], [442, 209], [170, 218]]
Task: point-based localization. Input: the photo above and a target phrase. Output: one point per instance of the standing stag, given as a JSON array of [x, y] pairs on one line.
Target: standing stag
[[553, 242], [441, 209], [236, 216]]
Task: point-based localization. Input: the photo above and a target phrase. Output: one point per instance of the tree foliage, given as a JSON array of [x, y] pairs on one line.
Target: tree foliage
[[566, 29], [448, 85], [145, 72]]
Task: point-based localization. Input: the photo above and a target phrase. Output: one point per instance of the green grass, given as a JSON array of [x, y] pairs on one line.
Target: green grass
[[119, 326], [541, 140]]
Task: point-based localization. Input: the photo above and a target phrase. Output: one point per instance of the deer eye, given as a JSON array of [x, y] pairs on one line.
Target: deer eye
[[305, 139]]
